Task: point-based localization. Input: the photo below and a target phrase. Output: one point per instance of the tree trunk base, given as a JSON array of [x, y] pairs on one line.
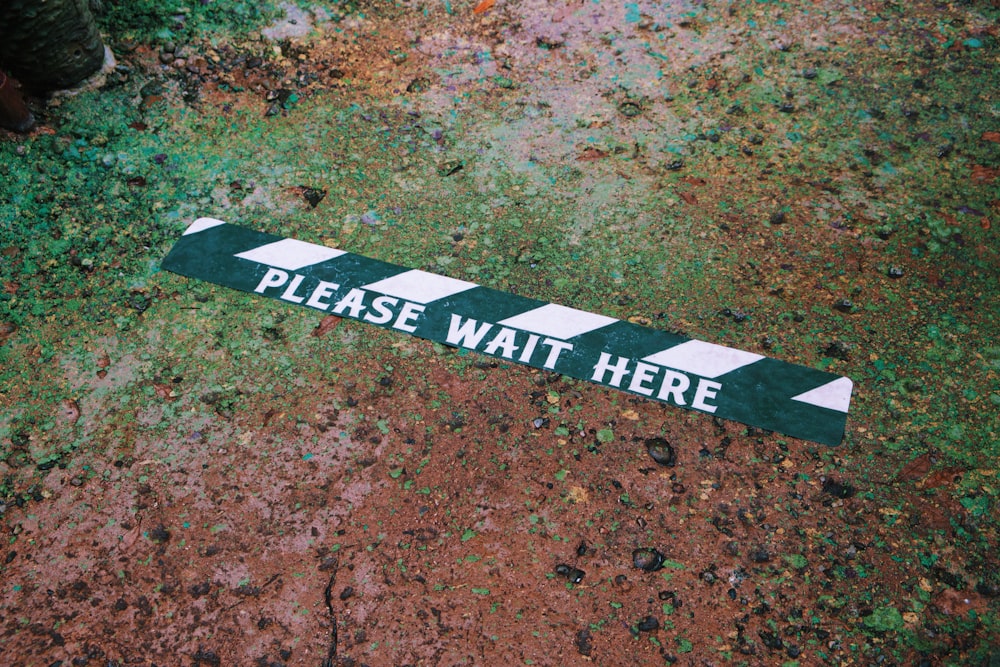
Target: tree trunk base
[[14, 113], [49, 45]]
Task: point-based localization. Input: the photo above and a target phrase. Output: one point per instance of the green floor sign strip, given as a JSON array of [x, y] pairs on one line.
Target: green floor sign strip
[[733, 384]]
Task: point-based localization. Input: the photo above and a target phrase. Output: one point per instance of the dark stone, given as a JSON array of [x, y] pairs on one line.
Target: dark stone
[[629, 109], [159, 534], [648, 624], [836, 350], [575, 575], [836, 489], [844, 305], [313, 196], [661, 451], [200, 589], [449, 167], [209, 657], [647, 559]]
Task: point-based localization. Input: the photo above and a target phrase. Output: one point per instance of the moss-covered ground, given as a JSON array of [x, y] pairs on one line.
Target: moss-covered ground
[[817, 183]]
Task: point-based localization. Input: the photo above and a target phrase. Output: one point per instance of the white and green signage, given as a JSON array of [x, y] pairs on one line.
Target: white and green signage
[[729, 383]]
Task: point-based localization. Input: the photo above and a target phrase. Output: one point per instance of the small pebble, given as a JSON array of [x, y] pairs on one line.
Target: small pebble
[[629, 109], [648, 559], [418, 85], [575, 575], [449, 167], [313, 196], [661, 451], [648, 624]]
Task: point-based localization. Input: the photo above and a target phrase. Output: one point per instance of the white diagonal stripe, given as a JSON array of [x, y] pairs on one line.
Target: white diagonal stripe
[[834, 395], [557, 321], [201, 224], [290, 254], [705, 359], [420, 286]]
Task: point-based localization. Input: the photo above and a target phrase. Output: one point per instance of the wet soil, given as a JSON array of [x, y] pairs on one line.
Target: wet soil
[[196, 477]]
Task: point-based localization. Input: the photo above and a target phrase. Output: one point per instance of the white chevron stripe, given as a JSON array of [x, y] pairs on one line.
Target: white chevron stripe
[[834, 395], [290, 254], [557, 321], [201, 224], [420, 286], [705, 359]]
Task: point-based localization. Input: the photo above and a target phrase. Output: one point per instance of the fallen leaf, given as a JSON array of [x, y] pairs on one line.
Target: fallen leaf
[[591, 154], [938, 478], [7, 330], [689, 197], [916, 468], [693, 180], [326, 325], [958, 603], [103, 360], [69, 411], [984, 173], [991, 136], [483, 6], [163, 391], [128, 539], [932, 512]]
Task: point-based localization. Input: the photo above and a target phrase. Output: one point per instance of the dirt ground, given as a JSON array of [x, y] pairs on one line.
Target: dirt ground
[[195, 476]]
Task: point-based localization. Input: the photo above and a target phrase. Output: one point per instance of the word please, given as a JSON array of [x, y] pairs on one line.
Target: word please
[[381, 309]]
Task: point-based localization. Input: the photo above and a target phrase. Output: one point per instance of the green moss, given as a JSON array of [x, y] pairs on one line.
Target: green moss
[[885, 619], [151, 20]]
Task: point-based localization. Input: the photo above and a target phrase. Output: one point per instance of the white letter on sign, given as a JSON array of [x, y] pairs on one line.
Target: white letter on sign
[[706, 389], [618, 370], [273, 278], [322, 291]]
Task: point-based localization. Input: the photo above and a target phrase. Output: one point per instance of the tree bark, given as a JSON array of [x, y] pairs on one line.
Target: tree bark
[[49, 44]]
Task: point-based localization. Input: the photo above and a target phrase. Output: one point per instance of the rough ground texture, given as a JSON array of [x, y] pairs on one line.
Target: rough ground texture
[[193, 476]]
